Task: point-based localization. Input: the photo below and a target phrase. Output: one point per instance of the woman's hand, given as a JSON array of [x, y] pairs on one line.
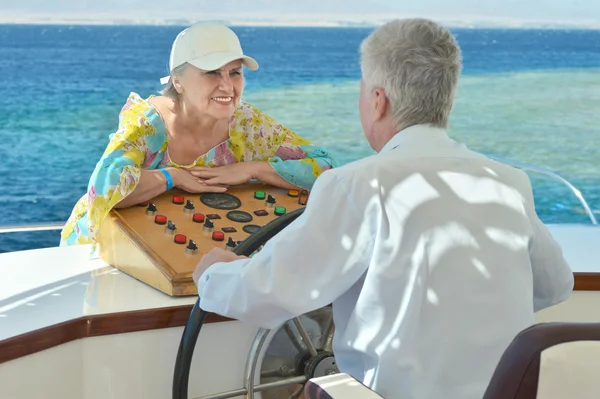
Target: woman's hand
[[186, 181], [227, 175]]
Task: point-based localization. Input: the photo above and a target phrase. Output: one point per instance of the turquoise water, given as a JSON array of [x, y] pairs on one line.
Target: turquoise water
[[549, 118]]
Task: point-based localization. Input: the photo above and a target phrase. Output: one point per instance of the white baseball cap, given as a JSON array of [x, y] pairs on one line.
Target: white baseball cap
[[208, 46]]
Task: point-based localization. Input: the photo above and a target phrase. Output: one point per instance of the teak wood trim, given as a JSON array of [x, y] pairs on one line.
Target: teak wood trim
[[95, 326], [587, 282], [143, 320]]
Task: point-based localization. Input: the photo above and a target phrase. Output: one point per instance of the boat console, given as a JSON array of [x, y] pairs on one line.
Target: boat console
[[160, 242]]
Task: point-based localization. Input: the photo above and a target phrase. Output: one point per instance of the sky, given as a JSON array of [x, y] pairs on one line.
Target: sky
[[518, 9], [577, 11]]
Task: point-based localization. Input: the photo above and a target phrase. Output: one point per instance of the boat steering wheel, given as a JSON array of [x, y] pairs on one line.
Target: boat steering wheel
[[310, 355]]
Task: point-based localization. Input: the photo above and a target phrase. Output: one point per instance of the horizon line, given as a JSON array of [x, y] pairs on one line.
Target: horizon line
[[314, 21]]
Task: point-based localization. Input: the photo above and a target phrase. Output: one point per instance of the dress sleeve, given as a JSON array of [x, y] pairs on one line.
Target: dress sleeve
[[298, 160], [294, 158], [117, 173]]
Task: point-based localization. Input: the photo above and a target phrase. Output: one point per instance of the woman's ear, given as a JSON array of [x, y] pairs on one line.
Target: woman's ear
[[177, 84]]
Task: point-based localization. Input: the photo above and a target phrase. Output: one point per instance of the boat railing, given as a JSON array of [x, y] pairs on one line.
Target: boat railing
[[511, 162], [31, 227]]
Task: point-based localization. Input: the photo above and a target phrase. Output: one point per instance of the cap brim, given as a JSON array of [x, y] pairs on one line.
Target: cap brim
[[215, 61]]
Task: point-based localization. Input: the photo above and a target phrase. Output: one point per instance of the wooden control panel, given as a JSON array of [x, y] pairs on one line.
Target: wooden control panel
[[161, 241]]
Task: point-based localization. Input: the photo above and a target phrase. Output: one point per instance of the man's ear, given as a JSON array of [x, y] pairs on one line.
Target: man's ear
[[380, 104]]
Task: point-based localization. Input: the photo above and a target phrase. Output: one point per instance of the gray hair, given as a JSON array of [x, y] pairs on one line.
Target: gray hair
[[170, 91], [417, 63]]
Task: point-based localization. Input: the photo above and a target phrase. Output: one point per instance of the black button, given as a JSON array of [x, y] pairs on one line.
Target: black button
[[251, 228]]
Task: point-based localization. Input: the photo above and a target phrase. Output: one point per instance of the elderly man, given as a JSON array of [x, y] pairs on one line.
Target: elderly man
[[432, 255]]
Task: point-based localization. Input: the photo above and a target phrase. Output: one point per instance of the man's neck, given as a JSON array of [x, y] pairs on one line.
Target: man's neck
[[421, 130], [386, 134]]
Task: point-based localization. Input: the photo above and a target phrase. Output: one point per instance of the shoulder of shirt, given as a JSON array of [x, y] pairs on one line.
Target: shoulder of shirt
[[245, 109], [247, 119], [138, 110], [352, 172], [517, 178], [140, 118], [508, 174], [364, 169], [136, 104]]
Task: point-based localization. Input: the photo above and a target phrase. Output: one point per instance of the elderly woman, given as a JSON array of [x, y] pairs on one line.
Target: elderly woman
[[198, 136]]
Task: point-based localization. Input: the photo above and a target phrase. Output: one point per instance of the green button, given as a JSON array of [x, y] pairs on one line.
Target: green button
[[279, 210], [259, 194]]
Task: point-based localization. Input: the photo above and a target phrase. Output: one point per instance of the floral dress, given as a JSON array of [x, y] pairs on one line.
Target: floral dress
[[140, 142]]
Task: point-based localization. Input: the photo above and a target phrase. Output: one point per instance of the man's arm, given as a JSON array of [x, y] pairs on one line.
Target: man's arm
[[552, 276], [306, 266]]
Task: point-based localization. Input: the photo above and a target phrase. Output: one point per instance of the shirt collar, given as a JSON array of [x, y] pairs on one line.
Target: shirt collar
[[415, 133]]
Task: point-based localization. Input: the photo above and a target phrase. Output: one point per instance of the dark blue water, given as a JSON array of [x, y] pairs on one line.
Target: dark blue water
[[64, 86]]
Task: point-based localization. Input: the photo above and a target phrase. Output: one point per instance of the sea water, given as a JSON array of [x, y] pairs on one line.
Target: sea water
[[527, 95]]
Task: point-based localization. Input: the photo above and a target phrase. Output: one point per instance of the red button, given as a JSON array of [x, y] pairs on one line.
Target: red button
[[145, 203], [198, 218], [160, 219], [178, 199], [180, 239], [218, 236]]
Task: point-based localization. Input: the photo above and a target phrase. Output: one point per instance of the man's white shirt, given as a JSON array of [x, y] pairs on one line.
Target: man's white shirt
[[432, 255]]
